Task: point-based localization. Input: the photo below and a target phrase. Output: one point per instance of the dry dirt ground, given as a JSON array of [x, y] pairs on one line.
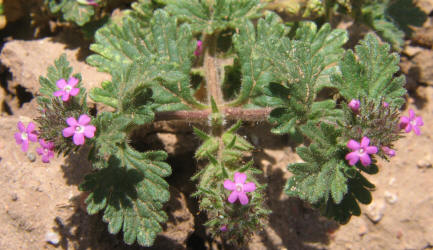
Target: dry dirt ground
[[41, 202]]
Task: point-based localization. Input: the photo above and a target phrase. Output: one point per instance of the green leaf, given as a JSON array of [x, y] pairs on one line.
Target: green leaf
[[210, 16], [255, 67], [158, 56], [370, 73], [326, 43], [131, 191], [72, 10]]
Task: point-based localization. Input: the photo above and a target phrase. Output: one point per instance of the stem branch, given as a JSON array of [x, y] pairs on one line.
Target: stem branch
[[202, 115]]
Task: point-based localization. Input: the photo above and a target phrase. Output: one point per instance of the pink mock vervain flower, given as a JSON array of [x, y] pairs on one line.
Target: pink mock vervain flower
[[79, 129], [411, 122], [199, 48], [360, 152], [223, 228], [25, 135], [46, 150], [385, 104], [67, 89], [239, 188], [354, 105], [388, 151]]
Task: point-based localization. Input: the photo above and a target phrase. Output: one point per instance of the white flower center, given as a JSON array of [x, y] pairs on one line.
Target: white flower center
[[413, 123], [67, 88], [24, 136], [79, 129], [361, 151], [239, 187]]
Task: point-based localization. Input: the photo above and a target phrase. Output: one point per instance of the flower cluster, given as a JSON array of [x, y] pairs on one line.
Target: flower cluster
[[362, 151]]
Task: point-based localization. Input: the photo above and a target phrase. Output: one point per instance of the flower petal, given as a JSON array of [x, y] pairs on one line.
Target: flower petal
[[230, 185], [74, 91], [411, 114], [46, 158], [59, 93], [354, 145], [68, 132], [243, 198], [365, 160], [365, 141], [84, 119], [61, 83], [21, 126], [240, 177], [352, 157], [418, 121], [31, 127], [371, 150], [32, 137], [233, 197], [25, 145], [18, 138], [416, 130], [408, 128], [404, 121], [71, 122], [78, 139], [249, 187], [89, 131], [40, 151], [72, 81], [65, 97]]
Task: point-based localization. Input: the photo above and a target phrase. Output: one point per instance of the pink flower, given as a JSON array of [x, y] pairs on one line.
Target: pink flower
[[239, 188], [67, 88], [92, 2], [25, 135], [360, 152], [354, 105], [46, 150], [223, 228], [199, 48], [388, 151], [79, 129], [385, 104], [411, 122]]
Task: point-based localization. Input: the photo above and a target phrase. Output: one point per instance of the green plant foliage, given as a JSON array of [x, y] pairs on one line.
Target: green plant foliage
[[255, 68], [160, 56], [210, 16], [72, 10], [324, 178], [131, 192], [370, 73]]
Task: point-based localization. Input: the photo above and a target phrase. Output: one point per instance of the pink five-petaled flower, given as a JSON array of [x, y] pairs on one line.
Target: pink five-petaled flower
[[199, 48], [239, 188], [411, 122], [360, 152], [67, 89], [354, 105], [79, 129], [388, 151], [25, 135], [223, 228], [46, 150]]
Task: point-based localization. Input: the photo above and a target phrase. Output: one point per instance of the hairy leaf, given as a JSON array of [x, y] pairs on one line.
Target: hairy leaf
[[158, 56], [211, 16], [370, 73], [131, 192], [72, 10]]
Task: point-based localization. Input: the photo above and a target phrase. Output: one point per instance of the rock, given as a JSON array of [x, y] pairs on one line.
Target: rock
[[391, 181], [362, 229], [423, 67], [52, 238], [31, 157], [424, 163], [425, 5], [391, 198], [375, 211], [412, 50], [14, 197], [27, 60]]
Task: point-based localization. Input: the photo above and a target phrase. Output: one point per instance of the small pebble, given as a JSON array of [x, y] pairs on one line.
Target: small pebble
[[391, 198], [363, 229], [14, 197], [52, 238], [375, 211], [391, 181], [31, 157], [424, 164]]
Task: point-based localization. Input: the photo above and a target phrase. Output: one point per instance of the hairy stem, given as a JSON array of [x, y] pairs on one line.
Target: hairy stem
[[211, 65], [203, 115]]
